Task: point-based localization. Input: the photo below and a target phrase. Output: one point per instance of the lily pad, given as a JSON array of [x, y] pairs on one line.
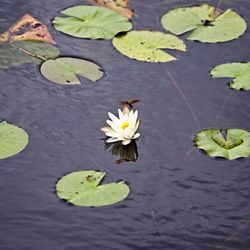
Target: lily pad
[[83, 189], [230, 144], [240, 72], [19, 53], [91, 22], [206, 24], [65, 70], [148, 46], [12, 140]]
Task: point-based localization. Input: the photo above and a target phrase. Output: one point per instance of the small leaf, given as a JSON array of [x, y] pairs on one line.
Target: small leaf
[[236, 143], [82, 189], [120, 6], [27, 28], [65, 70], [206, 24], [19, 53], [147, 46], [91, 22], [12, 140], [240, 72]]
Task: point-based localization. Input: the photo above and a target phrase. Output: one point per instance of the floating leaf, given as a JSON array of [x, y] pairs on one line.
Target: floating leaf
[[120, 6], [147, 46], [65, 70], [206, 24], [91, 22], [19, 53], [239, 71], [235, 143], [27, 28], [82, 189], [12, 140]]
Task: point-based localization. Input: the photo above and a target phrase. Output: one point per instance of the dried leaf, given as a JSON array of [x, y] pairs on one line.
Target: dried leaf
[[120, 6], [27, 28]]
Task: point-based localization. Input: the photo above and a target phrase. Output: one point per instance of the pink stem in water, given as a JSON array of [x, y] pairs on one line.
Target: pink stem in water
[[183, 97], [241, 228], [222, 108]]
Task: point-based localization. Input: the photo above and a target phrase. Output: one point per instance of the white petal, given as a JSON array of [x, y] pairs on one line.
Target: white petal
[[137, 125], [135, 118], [112, 134], [113, 117], [110, 140], [126, 142], [113, 125], [136, 136], [120, 114], [106, 129]]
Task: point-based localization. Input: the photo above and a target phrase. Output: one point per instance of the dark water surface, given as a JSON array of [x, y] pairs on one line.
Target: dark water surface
[[178, 201]]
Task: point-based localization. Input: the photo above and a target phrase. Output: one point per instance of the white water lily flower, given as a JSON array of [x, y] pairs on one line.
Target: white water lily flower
[[123, 128]]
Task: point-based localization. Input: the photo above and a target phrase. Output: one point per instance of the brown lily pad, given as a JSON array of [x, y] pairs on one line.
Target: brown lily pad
[[27, 28], [120, 6]]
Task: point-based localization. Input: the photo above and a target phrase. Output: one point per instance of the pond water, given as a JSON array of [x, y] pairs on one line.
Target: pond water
[[180, 198]]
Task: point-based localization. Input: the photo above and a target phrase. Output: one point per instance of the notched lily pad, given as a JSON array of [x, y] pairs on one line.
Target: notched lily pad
[[230, 144], [148, 46], [65, 70], [83, 189], [91, 22], [240, 72], [12, 140], [23, 52], [205, 23], [27, 28]]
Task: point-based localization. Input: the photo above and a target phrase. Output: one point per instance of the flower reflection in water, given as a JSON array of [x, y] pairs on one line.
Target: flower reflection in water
[[126, 153]]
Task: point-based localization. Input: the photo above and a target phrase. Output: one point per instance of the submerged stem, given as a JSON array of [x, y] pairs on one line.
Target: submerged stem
[[222, 109], [189, 106], [31, 54], [218, 4], [230, 237]]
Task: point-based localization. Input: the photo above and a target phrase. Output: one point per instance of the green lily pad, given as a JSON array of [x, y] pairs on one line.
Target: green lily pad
[[148, 46], [206, 24], [82, 189], [91, 22], [240, 72], [23, 52], [12, 140], [65, 70], [235, 143]]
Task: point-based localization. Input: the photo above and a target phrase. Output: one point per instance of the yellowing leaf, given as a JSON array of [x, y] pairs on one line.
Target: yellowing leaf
[[27, 28], [120, 6]]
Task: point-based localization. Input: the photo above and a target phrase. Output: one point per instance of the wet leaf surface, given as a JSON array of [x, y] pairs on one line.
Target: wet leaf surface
[[23, 52], [233, 144], [12, 140], [240, 72], [91, 22], [204, 23], [148, 46], [65, 70], [83, 188]]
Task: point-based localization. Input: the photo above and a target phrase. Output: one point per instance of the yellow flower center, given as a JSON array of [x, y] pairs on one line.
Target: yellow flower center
[[125, 125]]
